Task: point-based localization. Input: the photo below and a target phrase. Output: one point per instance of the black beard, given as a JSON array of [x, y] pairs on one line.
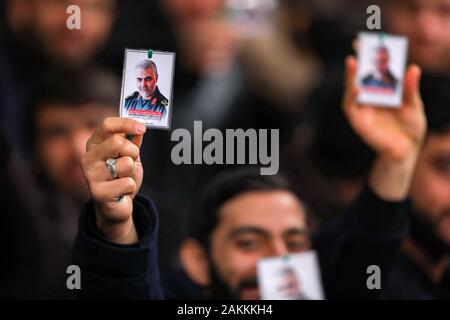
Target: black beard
[[219, 290], [424, 234]]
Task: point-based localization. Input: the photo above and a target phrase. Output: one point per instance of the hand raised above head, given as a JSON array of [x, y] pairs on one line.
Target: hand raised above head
[[394, 133], [114, 173]]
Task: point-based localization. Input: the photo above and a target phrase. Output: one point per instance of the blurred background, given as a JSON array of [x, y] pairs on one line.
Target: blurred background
[[272, 64]]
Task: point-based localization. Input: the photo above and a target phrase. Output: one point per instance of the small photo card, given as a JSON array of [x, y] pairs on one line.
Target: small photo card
[[381, 69], [147, 87], [294, 277]]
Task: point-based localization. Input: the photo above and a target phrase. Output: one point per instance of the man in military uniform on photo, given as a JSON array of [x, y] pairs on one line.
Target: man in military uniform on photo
[[382, 77], [148, 98]]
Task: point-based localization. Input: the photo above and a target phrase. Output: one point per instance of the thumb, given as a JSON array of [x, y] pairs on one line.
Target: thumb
[[136, 139], [411, 94]]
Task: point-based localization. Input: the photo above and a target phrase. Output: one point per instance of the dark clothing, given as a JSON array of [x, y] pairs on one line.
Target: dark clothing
[[369, 234], [156, 104], [20, 246], [19, 67], [177, 285], [58, 227], [374, 82], [408, 282], [37, 227], [119, 271]]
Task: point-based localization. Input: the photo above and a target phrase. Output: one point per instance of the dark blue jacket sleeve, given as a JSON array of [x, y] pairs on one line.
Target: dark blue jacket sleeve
[[370, 233], [111, 271]]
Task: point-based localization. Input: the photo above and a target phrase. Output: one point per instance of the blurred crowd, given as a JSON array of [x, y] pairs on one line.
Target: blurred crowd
[[283, 72]]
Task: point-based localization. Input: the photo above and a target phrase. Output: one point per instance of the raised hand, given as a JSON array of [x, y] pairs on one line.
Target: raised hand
[[391, 132], [395, 134], [113, 197]]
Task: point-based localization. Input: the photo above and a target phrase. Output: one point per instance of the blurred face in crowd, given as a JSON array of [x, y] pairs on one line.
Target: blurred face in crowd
[[251, 226], [209, 46], [207, 42], [382, 61], [427, 25], [61, 136], [73, 47], [146, 80], [430, 189], [191, 10]]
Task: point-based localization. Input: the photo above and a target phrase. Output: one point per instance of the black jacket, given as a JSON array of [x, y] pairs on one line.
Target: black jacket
[[369, 234]]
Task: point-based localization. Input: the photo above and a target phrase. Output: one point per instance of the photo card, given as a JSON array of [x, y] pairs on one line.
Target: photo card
[[381, 69], [293, 277], [147, 87]]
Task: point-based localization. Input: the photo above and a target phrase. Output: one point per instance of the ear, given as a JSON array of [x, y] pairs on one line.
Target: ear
[[194, 260]]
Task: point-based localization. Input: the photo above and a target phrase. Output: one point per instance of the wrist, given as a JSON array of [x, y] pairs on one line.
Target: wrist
[[123, 232], [391, 178]]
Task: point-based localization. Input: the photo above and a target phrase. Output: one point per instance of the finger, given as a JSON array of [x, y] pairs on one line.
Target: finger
[[114, 125], [136, 140], [350, 72], [112, 190], [351, 91], [115, 147], [355, 45], [125, 167], [98, 172], [411, 92], [352, 95]]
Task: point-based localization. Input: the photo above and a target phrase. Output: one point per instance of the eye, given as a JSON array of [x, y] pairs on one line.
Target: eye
[[248, 244], [442, 166], [297, 245]]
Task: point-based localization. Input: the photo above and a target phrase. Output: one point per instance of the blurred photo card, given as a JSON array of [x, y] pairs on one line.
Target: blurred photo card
[[147, 85], [294, 277], [381, 69]]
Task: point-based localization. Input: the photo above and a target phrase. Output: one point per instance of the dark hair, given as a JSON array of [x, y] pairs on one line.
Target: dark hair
[[435, 92], [223, 188], [72, 88]]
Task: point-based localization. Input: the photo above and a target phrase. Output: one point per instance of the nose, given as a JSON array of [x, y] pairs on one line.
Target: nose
[[279, 248]]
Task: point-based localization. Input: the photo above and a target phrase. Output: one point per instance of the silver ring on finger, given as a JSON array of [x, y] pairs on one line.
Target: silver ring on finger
[[111, 165]]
